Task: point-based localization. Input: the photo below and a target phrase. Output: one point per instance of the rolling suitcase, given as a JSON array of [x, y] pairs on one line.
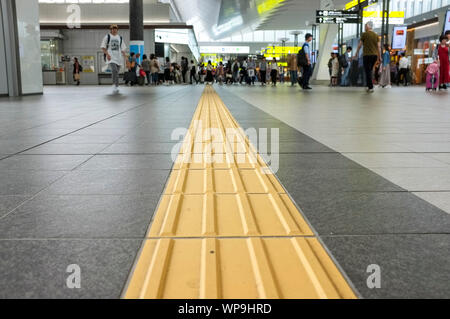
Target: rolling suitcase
[[432, 81]]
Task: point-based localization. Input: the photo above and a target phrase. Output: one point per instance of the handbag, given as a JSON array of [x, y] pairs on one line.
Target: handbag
[[77, 77]]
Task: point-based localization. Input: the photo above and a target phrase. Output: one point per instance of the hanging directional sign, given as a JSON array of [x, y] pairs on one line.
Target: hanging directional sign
[[336, 16]]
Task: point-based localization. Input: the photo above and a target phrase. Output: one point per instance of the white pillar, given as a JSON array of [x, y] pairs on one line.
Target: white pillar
[[328, 33], [22, 46]]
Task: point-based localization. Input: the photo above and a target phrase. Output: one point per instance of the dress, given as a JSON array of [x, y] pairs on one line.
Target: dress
[[445, 64]]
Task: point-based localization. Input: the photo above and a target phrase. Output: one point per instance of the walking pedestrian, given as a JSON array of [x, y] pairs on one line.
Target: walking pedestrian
[[114, 48], [371, 53]]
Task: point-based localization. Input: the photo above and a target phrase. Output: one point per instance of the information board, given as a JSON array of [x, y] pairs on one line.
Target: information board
[[399, 37], [336, 16]]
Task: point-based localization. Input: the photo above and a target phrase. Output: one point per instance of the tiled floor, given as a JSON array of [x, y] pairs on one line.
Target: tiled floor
[[81, 179], [64, 203], [402, 134]]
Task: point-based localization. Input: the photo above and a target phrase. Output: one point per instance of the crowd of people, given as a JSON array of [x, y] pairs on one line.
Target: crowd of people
[[374, 67]]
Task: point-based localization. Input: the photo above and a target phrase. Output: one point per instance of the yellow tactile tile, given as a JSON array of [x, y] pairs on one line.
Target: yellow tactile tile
[[225, 229], [227, 215], [235, 268], [224, 181]]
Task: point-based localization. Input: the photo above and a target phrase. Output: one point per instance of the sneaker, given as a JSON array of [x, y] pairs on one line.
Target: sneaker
[[116, 90], [370, 90], [388, 87]]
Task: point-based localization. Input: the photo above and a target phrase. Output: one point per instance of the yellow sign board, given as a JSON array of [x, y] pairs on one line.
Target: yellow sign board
[[281, 50], [267, 5], [378, 14]]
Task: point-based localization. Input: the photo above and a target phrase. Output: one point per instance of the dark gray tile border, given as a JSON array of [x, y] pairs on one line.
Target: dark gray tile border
[[355, 213], [300, 181], [412, 266], [37, 269]]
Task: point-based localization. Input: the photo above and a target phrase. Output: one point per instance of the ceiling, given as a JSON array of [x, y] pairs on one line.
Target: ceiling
[[222, 18]]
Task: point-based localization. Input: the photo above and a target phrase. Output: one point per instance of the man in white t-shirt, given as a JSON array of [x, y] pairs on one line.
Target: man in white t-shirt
[[114, 49]]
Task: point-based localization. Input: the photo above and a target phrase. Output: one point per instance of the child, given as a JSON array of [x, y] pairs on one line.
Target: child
[[432, 76]]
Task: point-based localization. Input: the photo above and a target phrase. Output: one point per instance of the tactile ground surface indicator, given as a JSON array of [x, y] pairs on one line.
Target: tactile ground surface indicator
[[227, 230]]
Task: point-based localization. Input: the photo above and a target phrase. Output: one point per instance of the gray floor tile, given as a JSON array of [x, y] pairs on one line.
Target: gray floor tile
[[87, 139], [111, 182], [126, 162], [38, 269], [81, 217], [412, 266], [26, 182], [300, 181], [353, 213], [143, 148], [43, 162], [67, 149], [8, 203], [316, 160], [303, 147]]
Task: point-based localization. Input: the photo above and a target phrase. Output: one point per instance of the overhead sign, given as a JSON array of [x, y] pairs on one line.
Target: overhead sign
[[447, 21], [395, 17], [355, 4], [225, 49], [336, 16], [399, 38]]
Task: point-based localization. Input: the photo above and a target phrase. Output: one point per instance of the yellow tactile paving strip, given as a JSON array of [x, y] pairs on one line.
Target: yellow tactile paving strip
[[228, 231]]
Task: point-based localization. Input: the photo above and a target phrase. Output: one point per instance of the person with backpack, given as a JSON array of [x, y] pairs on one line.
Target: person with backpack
[[304, 62], [345, 63], [113, 48]]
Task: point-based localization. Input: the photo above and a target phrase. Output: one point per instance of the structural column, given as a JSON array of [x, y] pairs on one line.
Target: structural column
[[137, 44]]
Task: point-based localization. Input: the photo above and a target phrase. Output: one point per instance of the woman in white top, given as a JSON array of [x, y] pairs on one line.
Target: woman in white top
[[274, 72]]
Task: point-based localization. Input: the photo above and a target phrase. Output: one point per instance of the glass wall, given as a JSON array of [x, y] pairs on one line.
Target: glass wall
[[50, 54], [29, 35]]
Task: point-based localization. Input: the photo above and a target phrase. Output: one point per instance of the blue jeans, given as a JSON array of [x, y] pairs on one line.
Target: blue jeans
[[345, 81], [294, 77], [155, 78]]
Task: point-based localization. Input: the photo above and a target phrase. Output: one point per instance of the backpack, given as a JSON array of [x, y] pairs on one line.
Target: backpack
[[343, 61], [107, 44], [301, 57]]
